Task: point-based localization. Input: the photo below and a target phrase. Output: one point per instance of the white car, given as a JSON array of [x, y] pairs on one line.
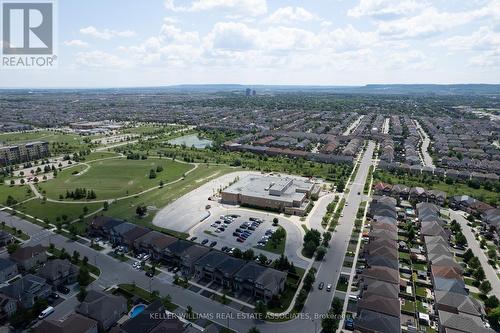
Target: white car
[[146, 257]]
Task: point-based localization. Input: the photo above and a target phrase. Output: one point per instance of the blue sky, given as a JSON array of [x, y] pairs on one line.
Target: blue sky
[[117, 43]]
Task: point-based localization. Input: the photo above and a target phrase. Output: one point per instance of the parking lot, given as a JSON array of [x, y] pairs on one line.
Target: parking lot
[[242, 220]]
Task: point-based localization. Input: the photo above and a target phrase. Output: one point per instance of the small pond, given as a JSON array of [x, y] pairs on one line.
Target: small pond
[[192, 140]]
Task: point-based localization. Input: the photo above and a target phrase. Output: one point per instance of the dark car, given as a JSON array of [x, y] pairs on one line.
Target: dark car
[[213, 244], [149, 274], [192, 239], [251, 228], [205, 241], [236, 234], [240, 240], [321, 285], [224, 248], [63, 289], [349, 324]]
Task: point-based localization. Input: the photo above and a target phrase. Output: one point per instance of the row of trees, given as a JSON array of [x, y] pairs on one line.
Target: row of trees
[[314, 242], [80, 193]]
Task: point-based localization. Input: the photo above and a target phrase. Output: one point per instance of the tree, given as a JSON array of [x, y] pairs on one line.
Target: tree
[[309, 279], [492, 254], [82, 294], [105, 205], [141, 210], [460, 239], [262, 258], [340, 186], [76, 257], [320, 253], [468, 255], [261, 309], [329, 323], [253, 330], [152, 174], [237, 253], [3, 225], [11, 248], [474, 263], [485, 287], [189, 313], [327, 236], [479, 274], [275, 221], [309, 248], [84, 276], [494, 316], [491, 302], [248, 254]]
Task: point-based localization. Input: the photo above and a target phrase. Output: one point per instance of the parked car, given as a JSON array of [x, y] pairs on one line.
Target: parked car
[[146, 257], [321, 285], [240, 240], [213, 244], [192, 239], [224, 248], [236, 234], [205, 241], [149, 274], [63, 289], [328, 287]]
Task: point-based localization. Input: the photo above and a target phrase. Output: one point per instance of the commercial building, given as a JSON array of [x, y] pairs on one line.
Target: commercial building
[[282, 194], [23, 153]]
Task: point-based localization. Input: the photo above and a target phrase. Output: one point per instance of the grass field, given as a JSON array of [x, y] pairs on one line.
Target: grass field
[[115, 177], [51, 211], [100, 155], [19, 193], [159, 198]]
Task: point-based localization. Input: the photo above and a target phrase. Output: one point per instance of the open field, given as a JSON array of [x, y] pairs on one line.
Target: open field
[[115, 177], [19, 193], [52, 211], [159, 198], [100, 155]]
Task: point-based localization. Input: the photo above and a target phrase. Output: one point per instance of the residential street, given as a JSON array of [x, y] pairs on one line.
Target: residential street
[[491, 275]]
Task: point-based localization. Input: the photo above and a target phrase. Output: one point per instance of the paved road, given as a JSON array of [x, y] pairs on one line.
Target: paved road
[[319, 210], [426, 141], [491, 274]]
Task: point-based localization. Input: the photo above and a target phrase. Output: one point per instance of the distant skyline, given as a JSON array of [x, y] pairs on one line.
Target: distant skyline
[[125, 43]]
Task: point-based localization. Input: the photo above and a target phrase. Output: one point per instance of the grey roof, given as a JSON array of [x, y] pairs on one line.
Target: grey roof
[[460, 302], [212, 259], [124, 227], [99, 305], [378, 260], [56, 268], [179, 247], [381, 288], [451, 285], [74, 323], [462, 323], [230, 265], [251, 271], [377, 322], [6, 263], [142, 322]]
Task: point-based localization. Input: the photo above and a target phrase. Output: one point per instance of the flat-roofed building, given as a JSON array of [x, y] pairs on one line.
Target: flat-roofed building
[[290, 195], [23, 153]]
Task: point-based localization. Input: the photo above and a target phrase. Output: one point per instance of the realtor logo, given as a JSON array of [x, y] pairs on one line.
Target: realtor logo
[[28, 34]]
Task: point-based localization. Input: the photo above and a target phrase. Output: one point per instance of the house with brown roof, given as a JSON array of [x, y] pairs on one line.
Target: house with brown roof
[[103, 307], [59, 272], [29, 256], [153, 243]]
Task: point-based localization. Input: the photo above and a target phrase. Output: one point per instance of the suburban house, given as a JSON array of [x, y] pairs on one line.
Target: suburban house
[[29, 256], [5, 238], [59, 272], [27, 290], [104, 308], [219, 267], [8, 269], [173, 252], [74, 323], [190, 256], [101, 226], [153, 243], [8, 306], [259, 281]]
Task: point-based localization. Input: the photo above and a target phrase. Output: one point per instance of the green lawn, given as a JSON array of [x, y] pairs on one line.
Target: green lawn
[[408, 306], [19, 193], [279, 249], [49, 210], [125, 209], [115, 177], [99, 155]]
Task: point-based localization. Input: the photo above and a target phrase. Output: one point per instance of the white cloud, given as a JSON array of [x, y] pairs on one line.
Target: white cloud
[[76, 42], [384, 9], [106, 34], [488, 59], [244, 7], [483, 39], [427, 23], [99, 59], [289, 14]]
